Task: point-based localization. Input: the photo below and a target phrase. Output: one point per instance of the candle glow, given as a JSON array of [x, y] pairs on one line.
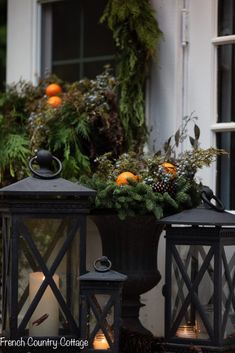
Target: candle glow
[[188, 331], [100, 342]]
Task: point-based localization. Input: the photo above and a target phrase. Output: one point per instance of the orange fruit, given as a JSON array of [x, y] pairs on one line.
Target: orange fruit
[[54, 101], [122, 178], [169, 168], [53, 89]]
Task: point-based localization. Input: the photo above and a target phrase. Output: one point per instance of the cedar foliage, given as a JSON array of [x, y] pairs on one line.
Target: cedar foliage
[[136, 34], [84, 126]]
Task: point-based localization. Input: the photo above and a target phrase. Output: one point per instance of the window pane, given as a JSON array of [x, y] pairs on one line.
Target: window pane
[[92, 69], [226, 17], [74, 42], [98, 39], [226, 168], [65, 30], [226, 76], [69, 72]]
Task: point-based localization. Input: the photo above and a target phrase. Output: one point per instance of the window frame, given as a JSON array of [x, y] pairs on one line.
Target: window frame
[[218, 127], [47, 61]]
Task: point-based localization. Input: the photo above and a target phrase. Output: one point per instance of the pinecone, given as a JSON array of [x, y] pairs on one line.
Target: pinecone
[[164, 186]]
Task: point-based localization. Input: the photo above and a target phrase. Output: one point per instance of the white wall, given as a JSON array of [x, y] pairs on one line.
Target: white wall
[[165, 108], [201, 74], [182, 79], [181, 82], [165, 78], [22, 40]]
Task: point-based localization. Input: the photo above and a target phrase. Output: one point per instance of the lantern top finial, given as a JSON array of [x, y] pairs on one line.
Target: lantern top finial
[[103, 272], [207, 213], [207, 195], [103, 264], [46, 182], [45, 159]]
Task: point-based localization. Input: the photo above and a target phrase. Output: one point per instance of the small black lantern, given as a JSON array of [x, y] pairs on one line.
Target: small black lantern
[[101, 307], [200, 278], [43, 230]]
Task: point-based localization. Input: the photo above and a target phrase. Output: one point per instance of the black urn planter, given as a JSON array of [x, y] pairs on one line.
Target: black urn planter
[[132, 246]]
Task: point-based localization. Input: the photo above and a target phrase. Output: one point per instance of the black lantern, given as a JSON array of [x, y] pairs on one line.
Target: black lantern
[[101, 307], [200, 278], [43, 230]]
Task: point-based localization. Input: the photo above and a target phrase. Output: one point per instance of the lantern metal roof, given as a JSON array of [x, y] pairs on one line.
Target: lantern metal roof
[[103, 272], [45, 182], [208, 213], [201, 216], [111, 276], [33, 184]]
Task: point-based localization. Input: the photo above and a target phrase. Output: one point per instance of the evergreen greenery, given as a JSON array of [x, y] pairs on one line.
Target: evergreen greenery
[[89, 121], [160, 188], [138, 198], [136, 34], [85, 125]]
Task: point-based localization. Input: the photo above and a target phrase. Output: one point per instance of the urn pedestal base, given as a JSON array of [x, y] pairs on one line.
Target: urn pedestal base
[[132, 247]]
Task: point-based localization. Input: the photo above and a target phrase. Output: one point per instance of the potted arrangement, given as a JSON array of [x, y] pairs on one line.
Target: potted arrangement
[[80, 124], [133, 192]]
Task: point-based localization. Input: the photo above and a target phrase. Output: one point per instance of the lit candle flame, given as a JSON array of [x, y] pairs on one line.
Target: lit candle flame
[[100, 342]]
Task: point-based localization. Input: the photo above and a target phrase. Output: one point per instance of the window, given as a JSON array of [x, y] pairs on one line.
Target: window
[[225, 126], [74, 43]]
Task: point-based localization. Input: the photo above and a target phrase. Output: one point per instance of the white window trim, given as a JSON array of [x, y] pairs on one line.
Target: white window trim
[[218, 41], [214, 80], [23, 32], [223, 127], [230, 39]]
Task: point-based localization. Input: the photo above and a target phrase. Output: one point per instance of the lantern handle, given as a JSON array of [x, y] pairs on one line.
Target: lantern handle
[[207, 195], [102, 264], [44, 159]]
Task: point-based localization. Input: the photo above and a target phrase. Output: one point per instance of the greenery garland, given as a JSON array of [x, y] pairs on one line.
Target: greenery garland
[[136, 34], [88, 107]]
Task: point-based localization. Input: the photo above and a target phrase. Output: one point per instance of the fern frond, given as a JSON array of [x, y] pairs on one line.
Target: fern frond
[[83, 128]]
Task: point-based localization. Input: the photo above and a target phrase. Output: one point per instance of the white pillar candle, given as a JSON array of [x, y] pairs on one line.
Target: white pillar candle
[[45, 318]]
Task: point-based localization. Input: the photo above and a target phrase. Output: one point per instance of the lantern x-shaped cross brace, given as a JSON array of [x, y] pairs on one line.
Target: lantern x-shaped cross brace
[[180, 281], [226, 274], [100, 316], [192, 297], [180, 294], [48, 275], [6, 269], [231, 297], [33, 263]]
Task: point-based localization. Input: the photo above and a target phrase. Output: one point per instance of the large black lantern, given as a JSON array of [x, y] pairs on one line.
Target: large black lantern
[[200, 278], [101, 307], [43, 230]]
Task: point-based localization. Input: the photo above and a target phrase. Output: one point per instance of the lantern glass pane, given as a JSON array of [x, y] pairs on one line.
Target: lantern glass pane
[[228, 296], [189, 271], [101, 303], [179, 290], [6, 271], [54, 246]]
